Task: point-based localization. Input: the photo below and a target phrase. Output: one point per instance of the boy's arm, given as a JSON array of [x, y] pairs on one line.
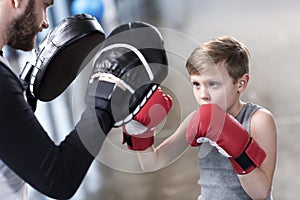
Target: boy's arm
[[252, 157], [167, 152], [258, 183]]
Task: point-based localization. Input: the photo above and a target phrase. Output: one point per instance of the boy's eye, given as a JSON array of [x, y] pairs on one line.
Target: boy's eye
[[213, 84], [195, 84]]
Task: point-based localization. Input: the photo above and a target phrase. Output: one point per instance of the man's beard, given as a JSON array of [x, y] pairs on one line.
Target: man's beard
[[22, 31]]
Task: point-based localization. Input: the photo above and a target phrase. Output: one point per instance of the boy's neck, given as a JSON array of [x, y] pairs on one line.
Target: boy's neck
[[235, 110]]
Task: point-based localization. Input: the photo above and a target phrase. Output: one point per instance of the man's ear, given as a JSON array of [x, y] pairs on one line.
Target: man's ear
[[243, 82]]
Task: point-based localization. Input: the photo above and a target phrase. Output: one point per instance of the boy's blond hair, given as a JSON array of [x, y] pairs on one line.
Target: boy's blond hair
[[225, 49]]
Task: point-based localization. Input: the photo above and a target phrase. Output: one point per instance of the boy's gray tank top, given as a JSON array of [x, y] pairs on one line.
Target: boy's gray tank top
[[218, 180]]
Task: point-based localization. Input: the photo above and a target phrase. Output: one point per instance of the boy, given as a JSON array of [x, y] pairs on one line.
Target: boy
[[219, 72]]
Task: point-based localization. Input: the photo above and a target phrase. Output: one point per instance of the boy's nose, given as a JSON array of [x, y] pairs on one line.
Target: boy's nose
[[204, 94]]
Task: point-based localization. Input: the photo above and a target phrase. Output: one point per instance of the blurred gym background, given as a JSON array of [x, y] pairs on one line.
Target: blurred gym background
[[271, 31]]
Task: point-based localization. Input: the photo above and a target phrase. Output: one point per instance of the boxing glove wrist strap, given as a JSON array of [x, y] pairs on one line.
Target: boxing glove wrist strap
[[137, 136], [249, 159], [138, 143]]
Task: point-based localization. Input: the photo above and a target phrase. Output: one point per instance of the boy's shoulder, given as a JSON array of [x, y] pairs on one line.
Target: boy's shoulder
[[262, 112], [258, 110], [262, 119]]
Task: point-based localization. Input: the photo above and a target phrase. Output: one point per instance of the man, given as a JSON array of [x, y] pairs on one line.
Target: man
[[24, 143], [22, 20], [27, 154]]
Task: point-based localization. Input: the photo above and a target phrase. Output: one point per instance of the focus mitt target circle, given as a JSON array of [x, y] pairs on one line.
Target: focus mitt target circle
[[60, 55]]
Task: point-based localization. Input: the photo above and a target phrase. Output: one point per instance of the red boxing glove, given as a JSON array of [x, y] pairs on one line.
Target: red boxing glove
[[139, 132], [210, 123]]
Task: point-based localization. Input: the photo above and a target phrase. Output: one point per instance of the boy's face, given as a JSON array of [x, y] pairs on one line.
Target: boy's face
[[214, 85]]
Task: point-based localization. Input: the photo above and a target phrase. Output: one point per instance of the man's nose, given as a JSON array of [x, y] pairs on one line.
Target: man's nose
[[45, 23]]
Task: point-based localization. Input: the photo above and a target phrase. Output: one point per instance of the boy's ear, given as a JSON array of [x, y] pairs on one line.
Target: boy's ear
[[16, 3], [243, 82]]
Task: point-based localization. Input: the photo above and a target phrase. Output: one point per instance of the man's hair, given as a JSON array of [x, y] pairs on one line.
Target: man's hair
[[222, 50]]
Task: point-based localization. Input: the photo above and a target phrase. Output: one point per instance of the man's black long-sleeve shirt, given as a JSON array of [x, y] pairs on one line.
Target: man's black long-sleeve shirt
[[26, 148]]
